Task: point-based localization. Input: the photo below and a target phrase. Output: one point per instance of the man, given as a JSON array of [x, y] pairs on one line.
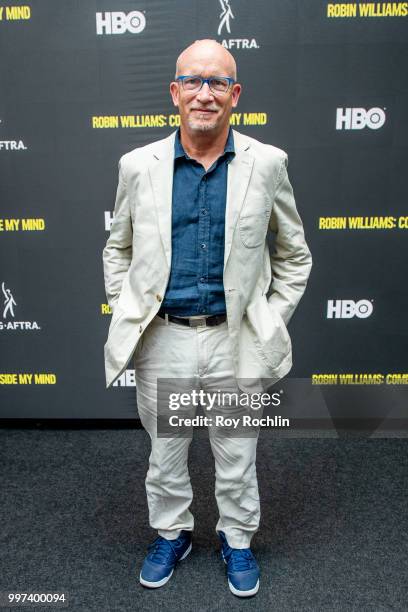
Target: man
[[187, 269]]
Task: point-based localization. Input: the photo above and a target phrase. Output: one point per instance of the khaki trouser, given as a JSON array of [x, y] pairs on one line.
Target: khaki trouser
[[171, 350]]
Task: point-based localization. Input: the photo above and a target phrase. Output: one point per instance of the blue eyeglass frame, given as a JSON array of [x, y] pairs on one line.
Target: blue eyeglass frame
[[230, 80]]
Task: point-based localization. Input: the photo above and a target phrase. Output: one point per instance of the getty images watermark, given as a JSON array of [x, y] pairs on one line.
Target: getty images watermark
[[214, 400], [291, 407], [223, 406]]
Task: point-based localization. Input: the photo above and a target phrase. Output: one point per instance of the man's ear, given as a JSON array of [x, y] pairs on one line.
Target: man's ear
[[236, 92], [174, 92]]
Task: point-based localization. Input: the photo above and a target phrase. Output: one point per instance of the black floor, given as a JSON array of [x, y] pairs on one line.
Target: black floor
[[333, 533]]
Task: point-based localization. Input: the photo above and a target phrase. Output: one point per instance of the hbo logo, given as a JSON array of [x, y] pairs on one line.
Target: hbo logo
[[347, 309], [359, 118], [119, 23]]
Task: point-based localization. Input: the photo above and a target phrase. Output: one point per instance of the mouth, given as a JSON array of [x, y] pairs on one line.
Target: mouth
[[204, 111]]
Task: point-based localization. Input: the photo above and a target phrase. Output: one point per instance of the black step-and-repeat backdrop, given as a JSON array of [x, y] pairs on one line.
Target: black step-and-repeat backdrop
[[81, 83]]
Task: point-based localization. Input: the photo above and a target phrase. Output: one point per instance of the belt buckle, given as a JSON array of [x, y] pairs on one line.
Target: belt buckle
[[197, 322]]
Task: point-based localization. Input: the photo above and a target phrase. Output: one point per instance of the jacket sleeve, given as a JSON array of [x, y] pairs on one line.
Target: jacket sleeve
[[291, 261], [117, 254]]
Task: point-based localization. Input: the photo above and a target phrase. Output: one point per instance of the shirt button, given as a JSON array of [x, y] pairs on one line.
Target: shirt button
[[202, 279], [203, 245], [204, 211], [158, 298], [140, 329]]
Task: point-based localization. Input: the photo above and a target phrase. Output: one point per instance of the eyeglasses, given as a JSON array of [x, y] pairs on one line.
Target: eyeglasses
[[218, 85]]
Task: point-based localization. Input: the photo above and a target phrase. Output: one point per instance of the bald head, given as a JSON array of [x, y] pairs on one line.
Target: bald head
[[208, 53]]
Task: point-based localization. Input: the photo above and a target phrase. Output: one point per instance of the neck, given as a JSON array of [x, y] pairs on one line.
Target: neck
[[203, 144]]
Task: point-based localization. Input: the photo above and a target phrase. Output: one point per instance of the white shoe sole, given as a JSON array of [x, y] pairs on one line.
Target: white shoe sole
[[159, 583], [244, 593], [239, 593]]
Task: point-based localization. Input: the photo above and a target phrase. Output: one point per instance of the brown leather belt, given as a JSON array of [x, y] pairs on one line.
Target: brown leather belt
[[196, 321]]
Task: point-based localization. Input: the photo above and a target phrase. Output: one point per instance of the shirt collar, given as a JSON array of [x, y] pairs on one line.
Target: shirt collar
[[180, 152]]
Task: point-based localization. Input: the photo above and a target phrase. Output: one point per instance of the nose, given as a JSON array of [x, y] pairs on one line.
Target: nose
[[205, 93]]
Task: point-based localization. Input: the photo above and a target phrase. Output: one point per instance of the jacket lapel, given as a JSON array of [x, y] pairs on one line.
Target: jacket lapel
[[161, 171], [239, 173]]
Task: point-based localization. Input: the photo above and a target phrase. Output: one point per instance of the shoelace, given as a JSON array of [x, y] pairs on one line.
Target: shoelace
[[160, 550], [240, 559]]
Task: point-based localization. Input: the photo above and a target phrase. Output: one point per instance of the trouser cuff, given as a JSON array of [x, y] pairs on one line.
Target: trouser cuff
[[238, 540], [169, 534]]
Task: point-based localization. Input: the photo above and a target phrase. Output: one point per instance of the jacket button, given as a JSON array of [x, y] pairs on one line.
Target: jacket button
[[159, 298], [140, 329]]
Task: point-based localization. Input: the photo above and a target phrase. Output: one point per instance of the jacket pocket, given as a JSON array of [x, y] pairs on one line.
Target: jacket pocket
[[253, 227], [271, 336]]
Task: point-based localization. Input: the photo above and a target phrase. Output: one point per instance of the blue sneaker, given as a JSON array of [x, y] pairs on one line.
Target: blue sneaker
[[242, 569], [162, 557]]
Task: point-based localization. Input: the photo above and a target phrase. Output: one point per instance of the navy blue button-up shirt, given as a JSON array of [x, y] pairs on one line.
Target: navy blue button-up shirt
[[198, 228]]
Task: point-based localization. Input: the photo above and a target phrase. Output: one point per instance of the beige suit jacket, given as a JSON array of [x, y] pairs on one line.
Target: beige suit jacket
[[137, 255]]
